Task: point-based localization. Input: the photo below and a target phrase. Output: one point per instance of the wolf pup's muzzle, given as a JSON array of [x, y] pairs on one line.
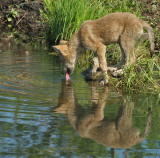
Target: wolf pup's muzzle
[[67, 70]]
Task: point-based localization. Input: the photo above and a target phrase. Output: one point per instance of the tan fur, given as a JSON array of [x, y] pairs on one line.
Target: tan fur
[[114, 133], [122, 28]]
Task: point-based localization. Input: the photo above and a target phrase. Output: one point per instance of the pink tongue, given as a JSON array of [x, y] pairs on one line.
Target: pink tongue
[[67, 77]]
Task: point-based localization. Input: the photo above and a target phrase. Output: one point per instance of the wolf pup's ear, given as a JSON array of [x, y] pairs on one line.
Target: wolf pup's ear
[[62, 49], [56, 48], [63, 42]]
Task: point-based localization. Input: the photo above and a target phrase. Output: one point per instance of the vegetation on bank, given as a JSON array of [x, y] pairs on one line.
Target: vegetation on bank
[[63, 18], [144, 75]]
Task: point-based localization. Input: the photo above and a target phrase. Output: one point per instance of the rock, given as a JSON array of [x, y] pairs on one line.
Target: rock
[[98, 76]]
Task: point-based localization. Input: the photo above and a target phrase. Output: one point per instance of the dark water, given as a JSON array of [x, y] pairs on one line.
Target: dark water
[[42, 117]]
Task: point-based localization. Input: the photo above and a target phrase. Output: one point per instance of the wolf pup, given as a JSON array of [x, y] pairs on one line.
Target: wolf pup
[[122, 28]]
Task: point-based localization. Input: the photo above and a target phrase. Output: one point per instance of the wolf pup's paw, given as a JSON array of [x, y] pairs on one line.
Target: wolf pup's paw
[[118, 73], [93, 72], [111, 69], [103, 82]]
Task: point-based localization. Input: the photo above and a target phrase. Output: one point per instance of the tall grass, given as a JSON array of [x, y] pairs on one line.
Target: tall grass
[[64, 17]]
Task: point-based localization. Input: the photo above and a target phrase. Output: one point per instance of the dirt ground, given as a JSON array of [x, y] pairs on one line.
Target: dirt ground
[[151, 12], [24, 15]]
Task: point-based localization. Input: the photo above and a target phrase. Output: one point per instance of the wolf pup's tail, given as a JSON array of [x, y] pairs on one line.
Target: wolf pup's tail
[[151, 36]]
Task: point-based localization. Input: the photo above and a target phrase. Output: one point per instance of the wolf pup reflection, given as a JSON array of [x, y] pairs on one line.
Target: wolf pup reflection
[[113, 133], [122, 28]]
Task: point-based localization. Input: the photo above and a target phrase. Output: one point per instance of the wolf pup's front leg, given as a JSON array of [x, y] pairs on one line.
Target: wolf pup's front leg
[[95, 66], [101, 50]]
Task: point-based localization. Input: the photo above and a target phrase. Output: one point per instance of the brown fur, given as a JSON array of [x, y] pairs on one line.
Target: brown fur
[[122, 28], [114, 133]]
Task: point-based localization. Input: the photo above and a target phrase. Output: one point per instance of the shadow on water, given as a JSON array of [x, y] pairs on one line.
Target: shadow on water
[[113, 133]]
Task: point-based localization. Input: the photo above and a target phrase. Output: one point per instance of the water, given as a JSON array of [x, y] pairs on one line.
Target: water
[[42, 117]]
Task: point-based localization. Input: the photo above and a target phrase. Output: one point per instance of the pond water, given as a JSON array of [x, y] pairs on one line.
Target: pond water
[[40, 116]]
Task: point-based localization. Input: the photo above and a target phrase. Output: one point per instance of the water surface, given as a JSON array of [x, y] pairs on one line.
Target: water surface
[[42, 117]]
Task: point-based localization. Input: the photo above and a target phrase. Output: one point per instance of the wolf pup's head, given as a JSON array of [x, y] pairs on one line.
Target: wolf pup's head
[[68, 63]]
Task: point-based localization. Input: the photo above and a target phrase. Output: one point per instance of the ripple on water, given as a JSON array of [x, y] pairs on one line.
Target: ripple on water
[[28, 85]]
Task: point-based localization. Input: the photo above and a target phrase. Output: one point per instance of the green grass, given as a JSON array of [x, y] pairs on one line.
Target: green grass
[[64, 17], [140, 76], [143, 75]]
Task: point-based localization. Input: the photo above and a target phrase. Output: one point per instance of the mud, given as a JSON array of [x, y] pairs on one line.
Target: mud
[[24, 15], [151, 11]]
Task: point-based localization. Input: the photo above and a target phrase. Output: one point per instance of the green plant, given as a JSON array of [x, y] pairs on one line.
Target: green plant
[[13, 12], [142, 74], [63, 17]]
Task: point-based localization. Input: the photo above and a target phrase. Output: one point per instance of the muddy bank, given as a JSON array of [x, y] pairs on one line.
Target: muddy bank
[[150, 10], [22, 16]]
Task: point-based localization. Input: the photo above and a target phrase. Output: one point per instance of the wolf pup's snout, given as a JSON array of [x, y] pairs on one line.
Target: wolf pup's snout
[[67, 70]]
